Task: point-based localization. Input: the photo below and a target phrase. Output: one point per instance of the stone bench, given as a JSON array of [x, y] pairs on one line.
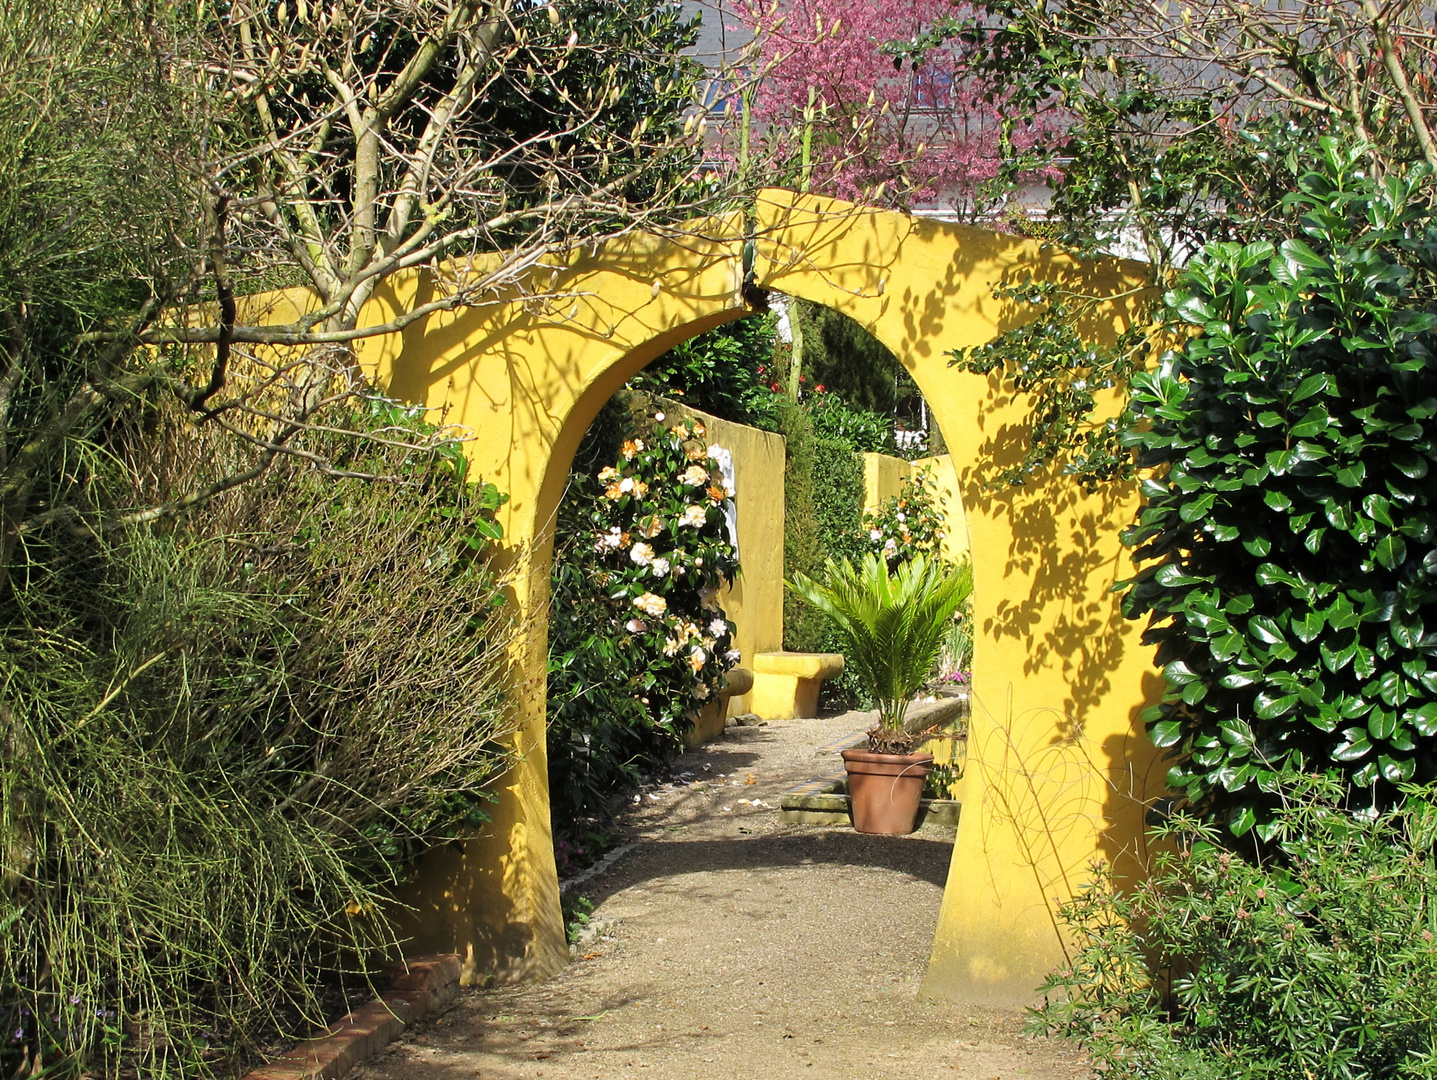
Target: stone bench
[[785, 684], [709, 723]]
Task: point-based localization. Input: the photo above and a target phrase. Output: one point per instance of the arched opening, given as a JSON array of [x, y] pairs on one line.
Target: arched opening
[[1058, 759], [636, 671]]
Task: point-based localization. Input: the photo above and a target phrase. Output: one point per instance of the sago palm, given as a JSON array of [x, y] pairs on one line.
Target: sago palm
[[894, 624]]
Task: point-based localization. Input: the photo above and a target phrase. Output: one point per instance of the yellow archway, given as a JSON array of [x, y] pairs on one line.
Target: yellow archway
[[1059, 766]]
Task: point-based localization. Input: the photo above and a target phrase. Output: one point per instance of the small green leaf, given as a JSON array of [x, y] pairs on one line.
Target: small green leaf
[[1179, 674], [1265, 630], [1167, 733], [1407, 629], [1171, 576], [1391, 550], [1424, 719], [1352, 475], [1381, 723], [1354, 747], [1270, 707], [1241, 820]]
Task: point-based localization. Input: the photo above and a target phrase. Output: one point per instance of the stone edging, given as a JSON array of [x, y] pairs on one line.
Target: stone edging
[[598, 868], [422, 987]]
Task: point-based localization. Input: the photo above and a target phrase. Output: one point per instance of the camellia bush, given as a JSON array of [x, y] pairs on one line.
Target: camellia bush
[[639, 643], [1289, 524], [908, 523]]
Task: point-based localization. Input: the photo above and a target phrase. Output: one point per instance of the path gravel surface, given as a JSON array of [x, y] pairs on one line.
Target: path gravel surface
[[726, 944]]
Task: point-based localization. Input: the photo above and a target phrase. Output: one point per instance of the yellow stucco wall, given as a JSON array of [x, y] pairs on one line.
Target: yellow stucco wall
[[526, 379], [883, 477], [1058, 763]]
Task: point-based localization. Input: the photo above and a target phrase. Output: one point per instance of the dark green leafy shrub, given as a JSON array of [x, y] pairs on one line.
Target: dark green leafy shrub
[[638, 639], [725, 372], [1319, 962], [1289, 526], [864, 431]]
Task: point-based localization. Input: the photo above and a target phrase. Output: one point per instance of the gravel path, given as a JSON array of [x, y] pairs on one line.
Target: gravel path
[[727, 944]]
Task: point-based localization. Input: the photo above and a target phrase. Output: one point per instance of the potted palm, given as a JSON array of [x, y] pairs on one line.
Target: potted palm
[[894, 625]]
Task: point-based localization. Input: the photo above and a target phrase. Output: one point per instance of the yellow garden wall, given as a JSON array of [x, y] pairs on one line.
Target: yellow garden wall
[[883, 476], [526, 380], [1058, 764]]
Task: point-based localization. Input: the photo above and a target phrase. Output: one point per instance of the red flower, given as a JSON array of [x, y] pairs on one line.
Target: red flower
[[819, 388]]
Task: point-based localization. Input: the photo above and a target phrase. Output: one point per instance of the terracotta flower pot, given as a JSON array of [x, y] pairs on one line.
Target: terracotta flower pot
[[884, 790]]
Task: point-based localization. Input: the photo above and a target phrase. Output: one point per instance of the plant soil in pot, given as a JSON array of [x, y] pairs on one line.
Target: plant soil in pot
[[884, 790]]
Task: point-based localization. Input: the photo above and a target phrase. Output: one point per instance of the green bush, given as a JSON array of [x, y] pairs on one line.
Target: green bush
[[1321, 961], [1289, 528], [723, 372], [638, 640], [227, 736], [863, 431], [908, 523], [804, 550]]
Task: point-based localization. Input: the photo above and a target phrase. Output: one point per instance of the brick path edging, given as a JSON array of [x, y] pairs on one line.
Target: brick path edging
[[422, 987]]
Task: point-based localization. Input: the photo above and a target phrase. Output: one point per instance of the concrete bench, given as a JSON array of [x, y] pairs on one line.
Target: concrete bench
[[709, 723], [785, 684]]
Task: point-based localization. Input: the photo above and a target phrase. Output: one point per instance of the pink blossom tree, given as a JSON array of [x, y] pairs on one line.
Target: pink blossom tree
[[828, 103]]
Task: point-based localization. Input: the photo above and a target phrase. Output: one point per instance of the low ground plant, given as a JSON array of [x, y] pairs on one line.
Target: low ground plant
[[1318, 959]]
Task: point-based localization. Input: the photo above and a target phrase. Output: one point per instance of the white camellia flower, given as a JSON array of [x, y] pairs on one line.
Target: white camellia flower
[[695, 517], [636, 626], [701, 691], [694, 476], [610, 540], [672, 647], [718, 628], [875, 534], [642, 553], [650, 604], [626, 485], [890, 544], [660, 567], [659, 417], [732, 656], [697, 659], [902, 516]]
